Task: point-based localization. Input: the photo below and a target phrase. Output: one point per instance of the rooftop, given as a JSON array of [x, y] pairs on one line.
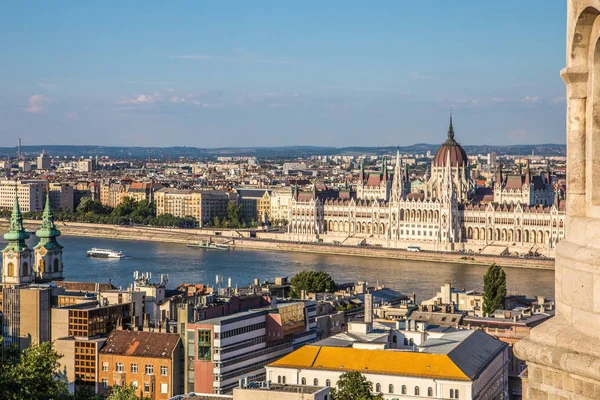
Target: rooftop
[[141, 344]]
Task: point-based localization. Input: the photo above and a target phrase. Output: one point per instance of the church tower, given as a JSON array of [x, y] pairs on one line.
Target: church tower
[[16, 256], [48, 253], [398, 179]]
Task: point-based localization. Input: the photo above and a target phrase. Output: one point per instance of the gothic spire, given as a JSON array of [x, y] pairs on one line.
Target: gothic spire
[[450, 128]]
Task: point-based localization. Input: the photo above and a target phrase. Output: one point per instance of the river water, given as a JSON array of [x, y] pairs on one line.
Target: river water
[[189, 265]]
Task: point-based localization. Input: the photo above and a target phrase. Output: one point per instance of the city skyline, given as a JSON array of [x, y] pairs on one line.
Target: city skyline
[[225, 75]]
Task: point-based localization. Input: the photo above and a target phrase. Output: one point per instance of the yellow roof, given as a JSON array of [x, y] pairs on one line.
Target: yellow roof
[[387, 362]]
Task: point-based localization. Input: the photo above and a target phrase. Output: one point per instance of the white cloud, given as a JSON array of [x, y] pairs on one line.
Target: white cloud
[[177, 100], [239, 56], [143, 98], [72, 116], [37, 103], [532, 99]]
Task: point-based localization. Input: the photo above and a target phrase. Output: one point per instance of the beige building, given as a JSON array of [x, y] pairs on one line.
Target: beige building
[[562, 354], [61, 196], [281, 204], [203, 205], [32, 194]]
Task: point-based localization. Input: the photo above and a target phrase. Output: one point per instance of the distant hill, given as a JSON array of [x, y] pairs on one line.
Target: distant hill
[[285, 152]]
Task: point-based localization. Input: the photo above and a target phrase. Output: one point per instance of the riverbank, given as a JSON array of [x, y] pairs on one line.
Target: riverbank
[[241, 240]]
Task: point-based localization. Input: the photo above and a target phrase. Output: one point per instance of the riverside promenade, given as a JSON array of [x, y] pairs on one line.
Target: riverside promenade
[[268, 241]]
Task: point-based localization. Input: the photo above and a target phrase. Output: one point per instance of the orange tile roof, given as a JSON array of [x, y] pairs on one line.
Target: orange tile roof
[[388, 362]]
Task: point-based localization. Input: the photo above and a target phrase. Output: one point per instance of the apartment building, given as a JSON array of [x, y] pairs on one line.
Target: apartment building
[[150, 361], [143, 191], [255, 203], [221, 351], [79, 331], [203, 205], [31, 193], [62, 196]]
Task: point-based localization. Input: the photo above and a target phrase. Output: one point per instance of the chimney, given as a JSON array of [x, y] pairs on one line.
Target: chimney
[[368, 308]]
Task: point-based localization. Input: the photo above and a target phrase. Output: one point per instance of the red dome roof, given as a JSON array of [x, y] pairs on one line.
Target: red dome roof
[[458, 156]]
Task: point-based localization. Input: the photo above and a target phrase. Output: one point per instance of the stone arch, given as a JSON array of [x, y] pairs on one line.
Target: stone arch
[[511, 235], [401, 214], [469, 233], [533, 236], [497, 234], [503, 235], [518, 235], [540, 236], [345, 226], [330, 226], [476, 234], [381, 229], [526, 236], [418, 216], [436, 216], [375, 228], [481, 233], [364, 227]]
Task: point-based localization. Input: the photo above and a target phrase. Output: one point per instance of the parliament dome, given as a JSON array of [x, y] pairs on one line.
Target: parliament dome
[[458, 156]]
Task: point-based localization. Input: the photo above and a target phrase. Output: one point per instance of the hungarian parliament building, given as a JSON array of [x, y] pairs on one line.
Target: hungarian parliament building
[[523, 213]]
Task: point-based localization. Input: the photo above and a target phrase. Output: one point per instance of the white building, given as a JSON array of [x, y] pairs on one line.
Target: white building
[[458, 365], [43, 161], [32, 194]]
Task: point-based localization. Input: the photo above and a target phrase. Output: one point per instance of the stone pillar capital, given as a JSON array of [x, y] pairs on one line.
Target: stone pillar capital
[[576, 80]]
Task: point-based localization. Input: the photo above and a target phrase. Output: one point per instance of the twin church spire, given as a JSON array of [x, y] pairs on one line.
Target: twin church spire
[[21, 264]]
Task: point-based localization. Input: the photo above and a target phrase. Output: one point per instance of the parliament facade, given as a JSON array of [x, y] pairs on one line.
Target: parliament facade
[[522, 213]]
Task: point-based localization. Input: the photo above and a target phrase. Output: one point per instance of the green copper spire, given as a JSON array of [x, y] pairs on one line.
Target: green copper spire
[[48, 228], [16, 235]]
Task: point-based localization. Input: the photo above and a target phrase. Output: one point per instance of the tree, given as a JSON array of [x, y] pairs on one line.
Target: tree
[[84, 394], [494, 289], [354, 386], [31, 374], [312, 281], [125, 392]]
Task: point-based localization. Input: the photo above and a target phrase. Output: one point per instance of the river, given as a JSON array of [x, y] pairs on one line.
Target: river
[[188, 265]]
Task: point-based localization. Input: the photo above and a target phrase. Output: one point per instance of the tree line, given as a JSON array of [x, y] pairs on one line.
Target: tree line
[[127, 213]]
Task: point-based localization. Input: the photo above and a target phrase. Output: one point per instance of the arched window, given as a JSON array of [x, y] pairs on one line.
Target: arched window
[[327, 383], [10, 269], [315, 382], [429, 392], [303, 381], [403, 389], [25, 269], [456, 394], [391, 389], [278, 378], [378, 388], [56, 265], [395, 339], [451, 393], [417, 391], [283, 380]]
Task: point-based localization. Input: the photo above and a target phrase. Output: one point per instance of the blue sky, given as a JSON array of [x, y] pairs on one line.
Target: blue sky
[[270, 73]]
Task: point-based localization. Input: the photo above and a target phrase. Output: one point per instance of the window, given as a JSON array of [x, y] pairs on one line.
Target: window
[[149, 369], [164, 388], [378, 388], [146, 387], [451, 393], [327, 383], [403, 389], [104, 366], [278, 378], [134, 384], [429, 392], [391, 389], [417, 391], [315, 382], [204, 344], [303, 381], [120, 367], [283, 380], [164, 371], [456, 394], [104, 383], [134, 368]]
